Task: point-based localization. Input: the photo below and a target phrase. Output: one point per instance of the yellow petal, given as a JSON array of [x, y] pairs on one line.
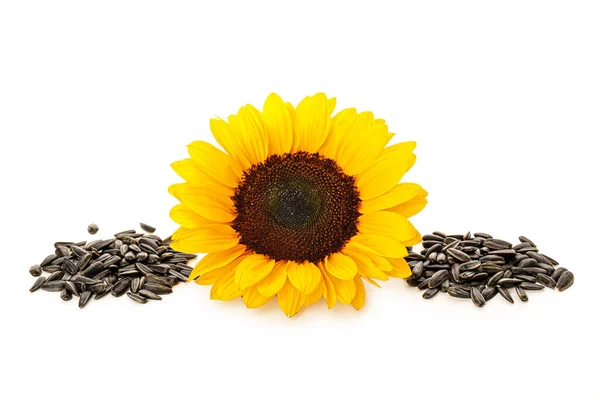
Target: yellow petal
[[210, 278], [187, 218], [400, 268], [362, 142], [345, 290], [211, 206], [383, 245], [366, 267], [253, 299], [342, 124], [273, 282], [387, 170], [416, 239], [290, 299], [328, 289], [215, 163], [399, 194], [278, 125], [252, 270], [254, 133], [178, 188], [413, 206], [216, 260], [359, 299], [340, 266], [231, 140], [188, 169], [212, 239], [305, 277], [226, 289], [313, 122], [316, 294], [386, 223]]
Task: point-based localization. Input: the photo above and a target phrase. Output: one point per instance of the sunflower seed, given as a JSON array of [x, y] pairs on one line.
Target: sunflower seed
[[533, 270], [159, 268], [121, 287], [147, 227], [70, 267], [178, 275], [62, 251], [458, 292], [470, 265], [149, 295], [493, 258], [38, 284], [103, 293], [489, 293], [437, 278], [135, 285], [494, 279], [137, 298], [159, 289], [531, 286], [92, 230], [565, 280], [151, 278], [526, 278], [55, 276], [459, 255], [98, 287], [66, 295], [53, 286], [521, 293], [524, 250], [85, 298], [546, 281], [523, 239], [36, 270], [477, 297], [497, 244], [556, 274], [417, 271], [527, 262], [549, 268], [504, 293], [429, 293]]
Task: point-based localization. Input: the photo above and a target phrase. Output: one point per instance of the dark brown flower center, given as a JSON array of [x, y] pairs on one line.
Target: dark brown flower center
[[297, 207]]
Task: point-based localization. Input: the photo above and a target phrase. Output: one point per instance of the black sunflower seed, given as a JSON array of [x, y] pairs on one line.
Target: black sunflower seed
[[477, 297], [429, 293], [159, 289], [523, 239], [438, 278], [521, 293], [556, 274], [459, 255], [53, 286], [149, 295], [66, 295], [147, 227], [489, 293], [546, 281], [497, 244], [565, 280], [85, 298], [137, 298], [504, 293], [70, 267], [38, 284], [495, 278], [92, 230], [35, 270], [121, 287], [531, 286]]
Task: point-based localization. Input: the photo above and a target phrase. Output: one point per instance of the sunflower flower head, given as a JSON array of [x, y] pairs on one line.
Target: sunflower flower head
[[298, 205]]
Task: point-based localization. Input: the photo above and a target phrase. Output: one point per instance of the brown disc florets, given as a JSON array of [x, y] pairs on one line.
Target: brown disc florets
[[298, 207]]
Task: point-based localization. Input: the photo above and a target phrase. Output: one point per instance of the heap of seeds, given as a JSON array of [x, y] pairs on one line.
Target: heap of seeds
[[143, 266], [478, 267]]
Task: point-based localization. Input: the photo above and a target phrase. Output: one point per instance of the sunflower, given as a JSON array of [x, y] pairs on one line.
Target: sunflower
[[300, 205]]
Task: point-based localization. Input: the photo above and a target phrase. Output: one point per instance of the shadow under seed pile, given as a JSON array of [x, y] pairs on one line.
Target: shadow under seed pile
[[479, 267], [143, 266]]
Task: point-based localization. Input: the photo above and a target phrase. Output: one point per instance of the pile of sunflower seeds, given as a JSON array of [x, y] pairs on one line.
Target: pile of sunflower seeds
[[143, 266], [478, 267]]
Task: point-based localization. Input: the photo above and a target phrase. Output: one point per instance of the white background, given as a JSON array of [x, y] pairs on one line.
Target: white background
[[98, 98]]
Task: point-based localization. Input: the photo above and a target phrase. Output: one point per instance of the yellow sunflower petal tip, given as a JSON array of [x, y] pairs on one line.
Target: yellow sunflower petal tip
[[299, 204]]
